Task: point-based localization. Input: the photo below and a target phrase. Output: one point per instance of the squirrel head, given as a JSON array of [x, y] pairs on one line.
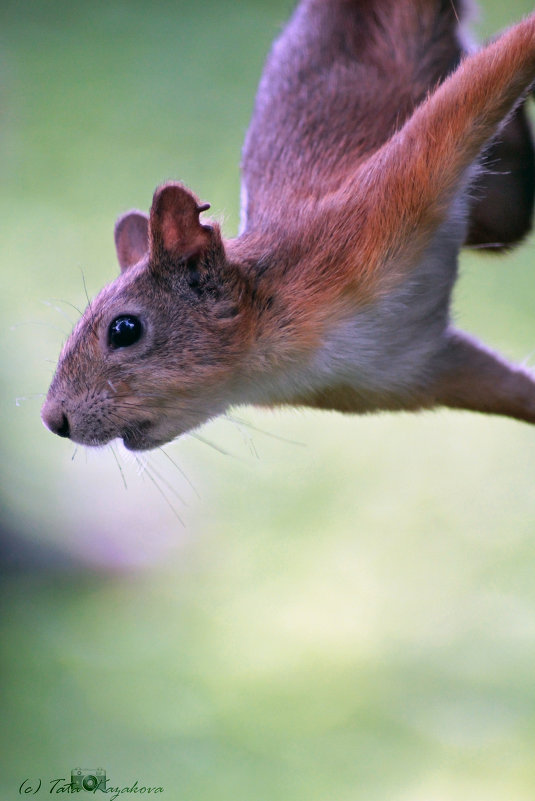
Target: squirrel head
[[160, 349]]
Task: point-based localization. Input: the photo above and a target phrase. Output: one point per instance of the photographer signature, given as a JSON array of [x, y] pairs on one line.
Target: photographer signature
[[31, 787]]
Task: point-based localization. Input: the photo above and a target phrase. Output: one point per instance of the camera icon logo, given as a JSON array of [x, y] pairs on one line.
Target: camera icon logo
[[88, 779]]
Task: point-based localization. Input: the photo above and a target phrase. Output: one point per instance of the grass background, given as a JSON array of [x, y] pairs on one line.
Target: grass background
[[347, 609]]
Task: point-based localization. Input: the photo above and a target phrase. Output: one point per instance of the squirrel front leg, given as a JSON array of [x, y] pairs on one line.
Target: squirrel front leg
[[466, 375], [473, 377]]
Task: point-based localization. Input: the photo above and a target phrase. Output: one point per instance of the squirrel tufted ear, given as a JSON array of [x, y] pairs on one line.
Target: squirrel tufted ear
[[131, 238], [175, 228]]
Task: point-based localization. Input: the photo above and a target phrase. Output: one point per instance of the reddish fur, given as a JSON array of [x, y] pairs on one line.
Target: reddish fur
[[396, 199], [388, 210]]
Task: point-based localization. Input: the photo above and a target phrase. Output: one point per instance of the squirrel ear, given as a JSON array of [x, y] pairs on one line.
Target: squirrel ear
[[175, 229], [131, 238]]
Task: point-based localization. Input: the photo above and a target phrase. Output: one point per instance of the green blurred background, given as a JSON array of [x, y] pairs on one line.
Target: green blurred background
[[346, 609]]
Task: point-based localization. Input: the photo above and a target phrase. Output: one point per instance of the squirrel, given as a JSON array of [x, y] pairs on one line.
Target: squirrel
[[381, 142]]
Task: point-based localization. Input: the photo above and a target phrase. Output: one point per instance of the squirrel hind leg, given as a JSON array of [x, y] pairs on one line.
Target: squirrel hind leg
[[501, 211]]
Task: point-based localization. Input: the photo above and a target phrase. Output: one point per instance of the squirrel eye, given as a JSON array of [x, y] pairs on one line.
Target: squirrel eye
[[124, 331]]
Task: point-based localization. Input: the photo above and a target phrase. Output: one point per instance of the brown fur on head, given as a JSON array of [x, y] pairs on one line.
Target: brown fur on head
[[190, 304]]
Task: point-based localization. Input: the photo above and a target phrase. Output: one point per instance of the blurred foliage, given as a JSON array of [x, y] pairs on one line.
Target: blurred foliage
[[346, 608]]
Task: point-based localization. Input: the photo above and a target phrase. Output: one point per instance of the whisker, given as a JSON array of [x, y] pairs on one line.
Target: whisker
[[129, 396], [67, 303], [144, 469], [58, 309], [247, 438], [33, 396], [130, 406], [454, 10], [36, 322], [115, 456], [113, 414], [74, 454], [89, 304], [265, 433], [217, 448], [526, 360], [162, 478], [167, 484], [182, 473]]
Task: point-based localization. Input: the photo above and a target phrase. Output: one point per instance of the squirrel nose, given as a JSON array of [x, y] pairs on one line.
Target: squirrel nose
[[56, 420]]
